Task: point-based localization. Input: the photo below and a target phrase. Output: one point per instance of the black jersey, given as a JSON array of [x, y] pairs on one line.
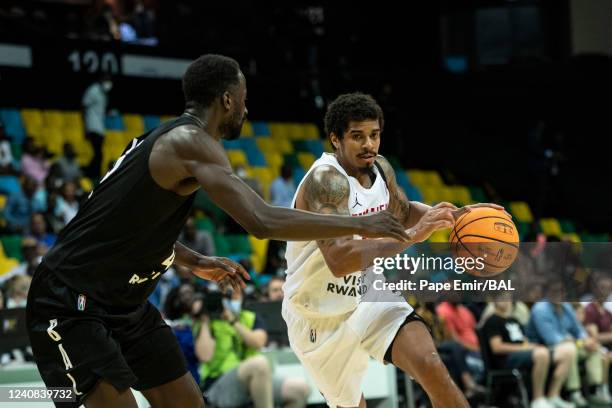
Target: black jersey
[[122, 238]]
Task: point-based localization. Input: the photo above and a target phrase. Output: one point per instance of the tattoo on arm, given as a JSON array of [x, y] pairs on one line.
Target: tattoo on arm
[[326, 191], [399, 205]]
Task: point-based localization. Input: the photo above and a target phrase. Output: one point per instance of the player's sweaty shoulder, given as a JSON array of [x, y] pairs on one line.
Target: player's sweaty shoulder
[[324, 187], [174, 150]]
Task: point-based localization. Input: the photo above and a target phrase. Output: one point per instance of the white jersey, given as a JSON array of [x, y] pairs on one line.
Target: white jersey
[[310, 285]]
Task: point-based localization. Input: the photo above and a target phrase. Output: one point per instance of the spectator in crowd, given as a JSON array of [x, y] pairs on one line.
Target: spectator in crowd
[[452, 353], [168, 281], [234, 373], [32, 255], [94, 103], [274, 289], [67, 202], [598, 319], [55, 220], [33, 161], [598, 322], [20, 206], [17, 291], [67, 167], [199, 241], [554, 322], [461, 325], [282, 189], [519, 311], [511, 349], [38, 232], [6, 154], [181, 307]]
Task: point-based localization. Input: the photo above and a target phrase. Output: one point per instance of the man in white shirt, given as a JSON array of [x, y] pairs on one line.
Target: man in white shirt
[[331, 329]]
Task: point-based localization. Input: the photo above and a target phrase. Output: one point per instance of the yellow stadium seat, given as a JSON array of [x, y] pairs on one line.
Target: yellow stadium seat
[[296, 131], [328, 146], [279, 130], [113, 139], [86, 184], [53, 118], [311, 131], [284, 146], [440, 236], [444, 193], [133, 122], [53, 140], [416, 177], [551, 226], [73, 136], [521, 211], [2, 202], [247, 130], [165, 118], [260, 251], [430, 194], [306, 159], [461, 195], [7, 264], [237, 157], [73, 118], [433, 178], [84, 152], [32, 120], [265, 176], [266, 145], [274, 160], [571, 237]]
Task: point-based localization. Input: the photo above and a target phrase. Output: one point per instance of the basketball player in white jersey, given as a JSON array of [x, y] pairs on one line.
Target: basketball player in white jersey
[[330, 330]]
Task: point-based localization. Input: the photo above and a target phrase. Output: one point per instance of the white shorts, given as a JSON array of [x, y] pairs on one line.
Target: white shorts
[[335, 351]]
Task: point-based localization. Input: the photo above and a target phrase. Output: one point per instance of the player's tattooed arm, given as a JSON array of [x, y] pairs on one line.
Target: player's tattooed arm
[[399, 205], [326, 191]]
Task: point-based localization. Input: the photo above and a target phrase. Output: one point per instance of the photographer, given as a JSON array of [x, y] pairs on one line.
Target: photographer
[[233, 372]]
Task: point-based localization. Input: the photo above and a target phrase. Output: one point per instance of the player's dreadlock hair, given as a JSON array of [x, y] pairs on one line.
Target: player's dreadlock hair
[[353, 106], [208, 77]]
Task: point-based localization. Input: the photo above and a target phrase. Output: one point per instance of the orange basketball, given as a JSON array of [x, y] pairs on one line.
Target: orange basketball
[[488, 234]]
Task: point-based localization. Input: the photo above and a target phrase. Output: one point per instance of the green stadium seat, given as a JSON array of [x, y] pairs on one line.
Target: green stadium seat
[[222, 245], [12, 246], [239, 244], [205, 224]]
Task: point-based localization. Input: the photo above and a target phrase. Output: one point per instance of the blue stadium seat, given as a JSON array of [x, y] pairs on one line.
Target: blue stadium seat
[[114, 122], [261, 129], [231, 144], [298, 174], [150, 121], [13, 125], [9, 184]]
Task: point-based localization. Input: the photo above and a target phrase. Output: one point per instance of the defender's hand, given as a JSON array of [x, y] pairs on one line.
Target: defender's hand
[[382, 225], [223, 271]]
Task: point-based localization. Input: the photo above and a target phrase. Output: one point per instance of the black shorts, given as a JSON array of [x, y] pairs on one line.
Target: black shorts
[[77, 341]]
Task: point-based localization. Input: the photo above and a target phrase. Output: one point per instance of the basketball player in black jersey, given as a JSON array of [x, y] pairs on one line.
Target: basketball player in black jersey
[[90, 324]]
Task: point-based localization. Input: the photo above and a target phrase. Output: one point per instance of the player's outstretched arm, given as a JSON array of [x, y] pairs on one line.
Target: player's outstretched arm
[[326, 191], [208, 163]]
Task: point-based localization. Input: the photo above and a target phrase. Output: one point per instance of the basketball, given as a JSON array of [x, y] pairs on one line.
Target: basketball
[[489, 234]]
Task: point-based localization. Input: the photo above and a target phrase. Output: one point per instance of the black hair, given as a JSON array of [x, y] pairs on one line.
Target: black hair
[[208, 77], [355, 106]]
